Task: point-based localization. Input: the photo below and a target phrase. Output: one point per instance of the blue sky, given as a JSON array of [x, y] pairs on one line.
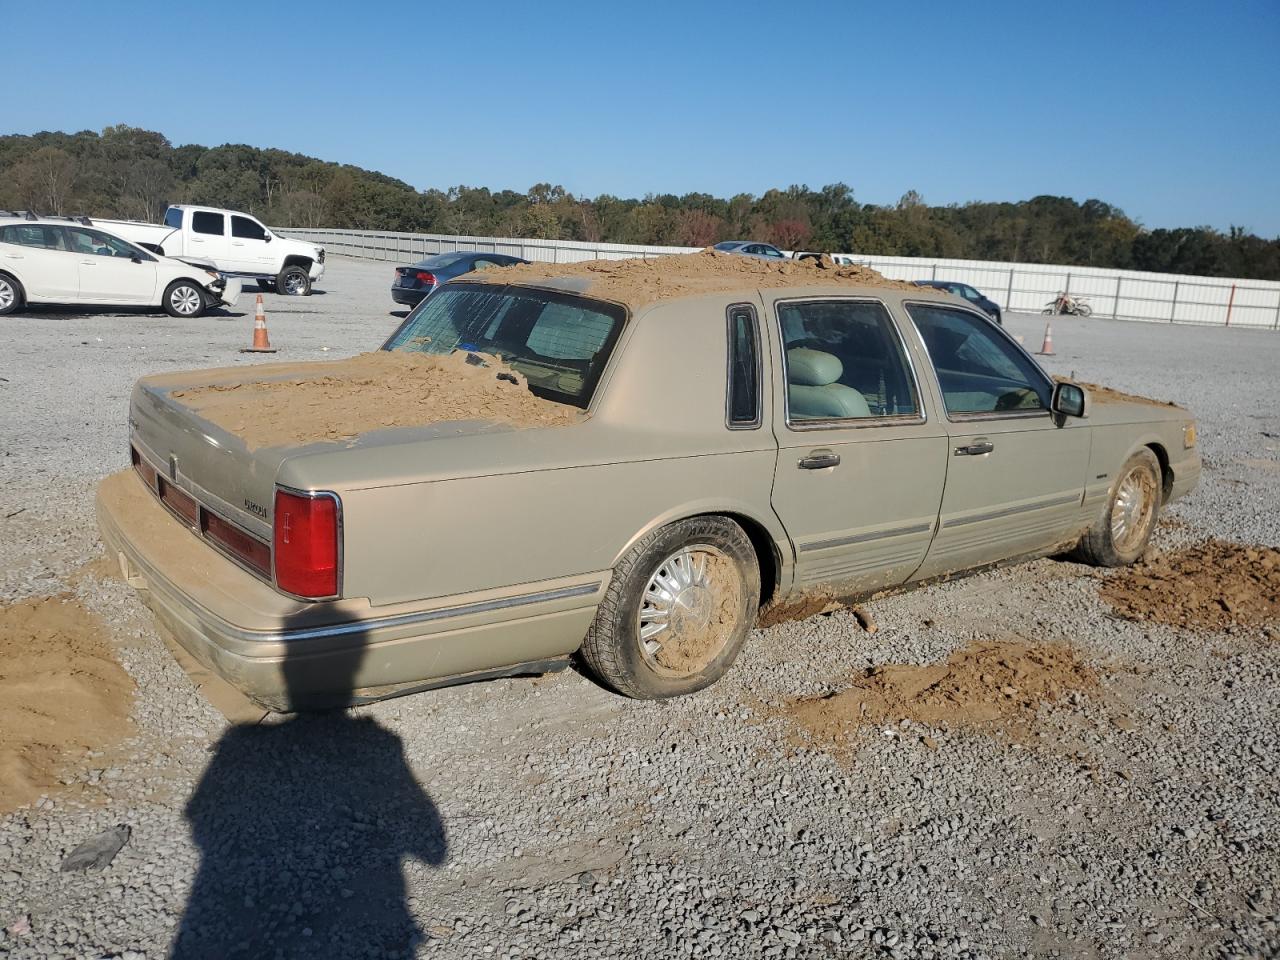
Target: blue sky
[[1170, 111]]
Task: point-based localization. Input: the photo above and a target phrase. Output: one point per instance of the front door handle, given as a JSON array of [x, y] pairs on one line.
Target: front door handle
[[819, 460], [981, 448]]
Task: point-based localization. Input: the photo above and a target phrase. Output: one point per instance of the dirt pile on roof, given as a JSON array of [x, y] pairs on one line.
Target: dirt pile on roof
[[307, 402], [990, 685], [637, 281], [1207, 587], [62, 692]]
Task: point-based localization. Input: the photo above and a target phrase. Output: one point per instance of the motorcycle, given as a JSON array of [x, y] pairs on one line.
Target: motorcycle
[[1072, 306]]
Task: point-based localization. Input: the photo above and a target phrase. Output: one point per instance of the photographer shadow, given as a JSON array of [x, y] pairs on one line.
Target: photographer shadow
[[302, 826]]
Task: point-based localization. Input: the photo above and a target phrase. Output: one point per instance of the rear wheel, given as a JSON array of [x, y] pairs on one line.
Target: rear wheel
[[266, 286], [293, 282], [10, 294], [677, 611], [184, 298], [1120, 535]]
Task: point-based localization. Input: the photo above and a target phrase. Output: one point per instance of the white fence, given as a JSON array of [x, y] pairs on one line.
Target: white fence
[[1119, 294]]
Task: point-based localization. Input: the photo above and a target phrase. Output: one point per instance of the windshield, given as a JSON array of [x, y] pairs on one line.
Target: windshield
[[560, 342]]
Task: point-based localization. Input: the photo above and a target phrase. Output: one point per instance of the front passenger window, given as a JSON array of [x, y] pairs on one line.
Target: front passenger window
[[979, 369]]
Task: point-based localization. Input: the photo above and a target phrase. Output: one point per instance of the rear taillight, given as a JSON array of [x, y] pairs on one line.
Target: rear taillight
[[305, 540], [145, 470], [180, 503], [426, 278]]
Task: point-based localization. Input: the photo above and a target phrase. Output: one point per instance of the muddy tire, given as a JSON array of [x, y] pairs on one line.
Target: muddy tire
[[293, 282], [1120, 535], [184, 299], [11, 295], [677, 611]]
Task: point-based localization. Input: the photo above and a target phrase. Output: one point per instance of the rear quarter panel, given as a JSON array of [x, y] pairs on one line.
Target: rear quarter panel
[[506, 509]]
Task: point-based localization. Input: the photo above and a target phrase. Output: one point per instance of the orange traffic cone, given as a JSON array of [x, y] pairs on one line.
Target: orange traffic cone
[[261, 342], [1045, 351]]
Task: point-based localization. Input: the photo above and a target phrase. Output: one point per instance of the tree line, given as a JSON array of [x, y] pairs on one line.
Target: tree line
[[133, 173]]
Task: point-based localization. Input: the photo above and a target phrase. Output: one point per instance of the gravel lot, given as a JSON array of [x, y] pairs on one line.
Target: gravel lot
[[548, 818]]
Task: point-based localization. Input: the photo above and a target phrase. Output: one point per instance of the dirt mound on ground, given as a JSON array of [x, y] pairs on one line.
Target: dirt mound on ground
[[637, 281], [1209, 586], [996, 684], [339, 400], [62, 692]]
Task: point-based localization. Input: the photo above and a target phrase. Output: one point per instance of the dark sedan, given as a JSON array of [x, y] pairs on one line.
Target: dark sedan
[[413, 283], [989, 307]]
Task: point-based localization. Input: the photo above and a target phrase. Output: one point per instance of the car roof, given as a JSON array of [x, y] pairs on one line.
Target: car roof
[[638, 282]]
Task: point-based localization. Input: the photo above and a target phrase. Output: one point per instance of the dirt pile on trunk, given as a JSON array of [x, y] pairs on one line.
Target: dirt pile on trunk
[[62, 692], [307, 402], [992, 685], [638, 281], [1206, 587]]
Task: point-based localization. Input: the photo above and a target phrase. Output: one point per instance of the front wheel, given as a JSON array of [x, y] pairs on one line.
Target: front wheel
[[10, 294], [293, 282], [184, 298], [1120, 535], [677, 611], [1084, 310]]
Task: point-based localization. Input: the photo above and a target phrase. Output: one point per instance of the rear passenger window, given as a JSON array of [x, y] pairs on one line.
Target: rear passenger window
[[844, 360], [50, 238], [979, 370], [211, 223], [744, 368]]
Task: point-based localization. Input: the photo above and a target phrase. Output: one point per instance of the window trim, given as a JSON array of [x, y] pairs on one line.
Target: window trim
[[942, 397], [850, 423], [729, 422]]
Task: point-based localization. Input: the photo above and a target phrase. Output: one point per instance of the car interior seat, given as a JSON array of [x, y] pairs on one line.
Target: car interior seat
[[813, 391]]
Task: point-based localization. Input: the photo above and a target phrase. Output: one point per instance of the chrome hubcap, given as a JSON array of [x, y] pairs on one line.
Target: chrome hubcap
[[7, 294], [185, 300], [682, 618], [1132, 511], [293, 284]]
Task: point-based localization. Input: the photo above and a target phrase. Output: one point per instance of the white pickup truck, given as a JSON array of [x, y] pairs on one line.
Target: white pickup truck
[[236, 243]]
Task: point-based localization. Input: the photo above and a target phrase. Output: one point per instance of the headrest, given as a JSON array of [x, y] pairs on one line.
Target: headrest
[[813, 368]]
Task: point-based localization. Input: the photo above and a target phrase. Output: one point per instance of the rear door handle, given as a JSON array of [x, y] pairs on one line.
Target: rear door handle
[[88, 263], [819, 460], [978, 449]]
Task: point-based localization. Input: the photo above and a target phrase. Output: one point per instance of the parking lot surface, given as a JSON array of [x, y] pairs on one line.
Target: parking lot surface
[[1135, 813]]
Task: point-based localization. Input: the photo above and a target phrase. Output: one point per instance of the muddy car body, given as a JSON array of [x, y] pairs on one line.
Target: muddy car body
[[739, 442]]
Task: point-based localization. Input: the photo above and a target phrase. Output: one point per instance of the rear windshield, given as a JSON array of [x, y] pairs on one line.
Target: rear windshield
[[560, 342], [173, 218]]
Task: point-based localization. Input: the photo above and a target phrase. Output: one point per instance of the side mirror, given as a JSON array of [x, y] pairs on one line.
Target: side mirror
[[266, 238], [1068, 399], [136, 258]]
